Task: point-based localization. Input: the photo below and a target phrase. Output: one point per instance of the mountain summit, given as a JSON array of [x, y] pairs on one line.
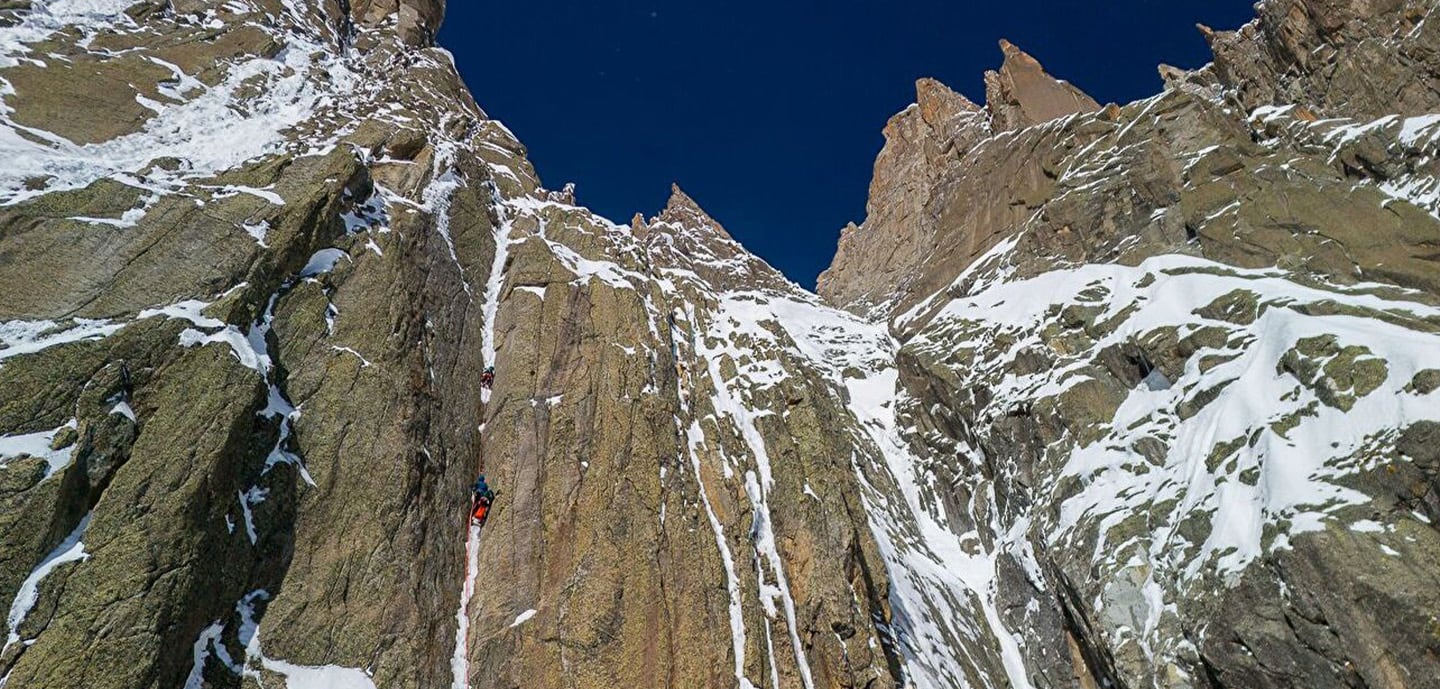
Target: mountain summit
[[1022, 93], [1134, 396]]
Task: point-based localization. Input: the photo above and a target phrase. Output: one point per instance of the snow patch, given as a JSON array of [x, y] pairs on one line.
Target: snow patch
[[322, 261], [123, 408], [320, 677], [38, 445], [29, 337], [522, 618]]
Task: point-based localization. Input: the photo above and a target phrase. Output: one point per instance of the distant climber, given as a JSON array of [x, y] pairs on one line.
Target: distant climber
[[488, 377], [481, 499]]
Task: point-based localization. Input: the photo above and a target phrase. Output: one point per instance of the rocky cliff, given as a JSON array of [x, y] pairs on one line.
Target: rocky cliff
[[244, 322], [1173, 364], [1134, 396]]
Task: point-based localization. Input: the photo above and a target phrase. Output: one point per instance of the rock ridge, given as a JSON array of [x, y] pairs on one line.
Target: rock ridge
[[922, 145], [1022, 94], [1084, 307]]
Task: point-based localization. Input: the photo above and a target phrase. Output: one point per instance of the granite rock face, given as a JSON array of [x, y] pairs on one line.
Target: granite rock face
[[1165, 362], [1339, 58], [877, 265], [242, 345], [223, 303], [920, 144], [677, 506], [1138, 396], [1022, 93], [417, 21]]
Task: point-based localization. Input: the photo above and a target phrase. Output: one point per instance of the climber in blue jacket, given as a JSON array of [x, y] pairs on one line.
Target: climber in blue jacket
[[482, 498]]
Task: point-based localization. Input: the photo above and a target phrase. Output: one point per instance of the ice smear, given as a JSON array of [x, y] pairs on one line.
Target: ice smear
[[72, 549], [252, 349], [231, 336], [438, 196], [459, 660], [296, 676], [249, 626], [257, 231], [208, 638], [191, 310], [496, 279], [276, 405], [254, 496], [123, 408], [323, 261], [364, 363], [373, 214], [696, 439], [321, 677]]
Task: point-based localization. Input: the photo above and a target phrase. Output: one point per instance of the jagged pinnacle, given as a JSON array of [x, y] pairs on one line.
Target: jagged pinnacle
[[939, 102], [1021, 93], [682, 211], [679, 200]]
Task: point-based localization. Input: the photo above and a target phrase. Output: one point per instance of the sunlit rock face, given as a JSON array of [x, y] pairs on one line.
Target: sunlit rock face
[[1337, 58], [1134, 396], [244, 323], [1172, 364], [1022, 93], [874, 264], [417, 21]]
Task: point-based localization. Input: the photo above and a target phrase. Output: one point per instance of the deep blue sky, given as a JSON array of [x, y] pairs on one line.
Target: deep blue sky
[[770, 113]]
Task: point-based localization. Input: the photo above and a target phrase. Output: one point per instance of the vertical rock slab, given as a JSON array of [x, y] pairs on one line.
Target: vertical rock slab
[[920, 144], [1022, 93], [638, 550], [159, 562]]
